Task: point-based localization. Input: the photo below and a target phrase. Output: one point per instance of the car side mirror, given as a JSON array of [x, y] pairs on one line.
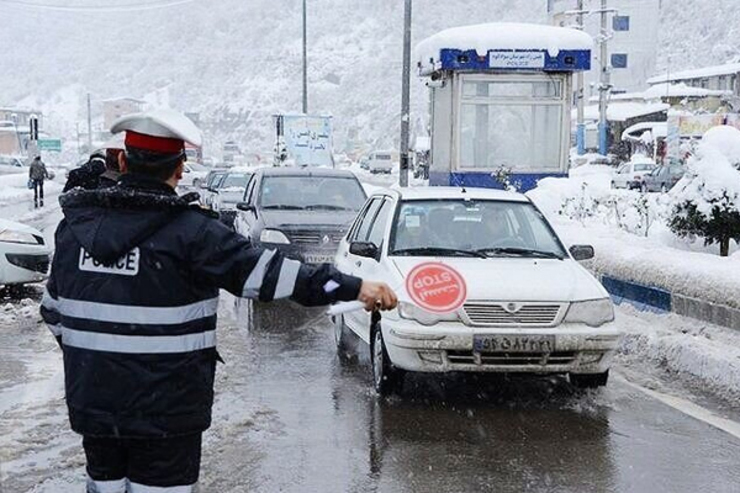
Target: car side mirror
[[582, 252], [245, 206], [364, 249]]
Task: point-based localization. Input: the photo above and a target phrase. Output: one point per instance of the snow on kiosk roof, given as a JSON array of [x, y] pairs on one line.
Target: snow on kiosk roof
[[505, 46]]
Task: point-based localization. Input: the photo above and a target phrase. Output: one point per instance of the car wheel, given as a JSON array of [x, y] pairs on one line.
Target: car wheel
[[589, 381], [341, 338], [644, 188], [386, 379]]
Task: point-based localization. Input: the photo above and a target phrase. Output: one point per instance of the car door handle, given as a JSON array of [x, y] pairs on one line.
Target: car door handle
[[358, 263], [346, 254]]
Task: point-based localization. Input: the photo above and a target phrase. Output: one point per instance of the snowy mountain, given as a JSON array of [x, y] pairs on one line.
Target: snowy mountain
[[237, 62]]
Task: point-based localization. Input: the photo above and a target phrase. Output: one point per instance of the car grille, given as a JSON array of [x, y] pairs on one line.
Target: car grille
[[315, 237], [511, 359], [497, 314], [36, 263]]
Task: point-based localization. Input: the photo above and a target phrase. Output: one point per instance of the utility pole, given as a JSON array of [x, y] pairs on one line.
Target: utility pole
[[580, 119], [403, 177], [89, 124], [305, 59], [604, 85]]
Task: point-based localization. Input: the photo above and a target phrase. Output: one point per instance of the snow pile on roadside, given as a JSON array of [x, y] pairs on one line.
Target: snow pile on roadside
[[696, 350], [14, 188], [630, 238], [10, 313], [712, 178]]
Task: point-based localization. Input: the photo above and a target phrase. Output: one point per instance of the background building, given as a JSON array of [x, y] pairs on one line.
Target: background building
[[113, 109], [633, 46]]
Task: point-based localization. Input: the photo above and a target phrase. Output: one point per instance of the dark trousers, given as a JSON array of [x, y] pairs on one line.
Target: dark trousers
[[38, 193], [121, 465]]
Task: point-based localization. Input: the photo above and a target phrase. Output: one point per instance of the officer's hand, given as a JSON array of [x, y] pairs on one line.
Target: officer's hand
[[377, 296]]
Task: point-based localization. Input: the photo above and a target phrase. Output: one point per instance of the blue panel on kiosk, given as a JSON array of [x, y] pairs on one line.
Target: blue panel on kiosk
[[524, 182], [515, 60]]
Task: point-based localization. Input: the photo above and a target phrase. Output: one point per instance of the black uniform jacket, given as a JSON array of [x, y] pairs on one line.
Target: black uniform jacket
[[132, 298]]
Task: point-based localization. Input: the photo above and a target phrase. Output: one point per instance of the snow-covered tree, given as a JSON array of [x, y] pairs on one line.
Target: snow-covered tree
[[707, 199]]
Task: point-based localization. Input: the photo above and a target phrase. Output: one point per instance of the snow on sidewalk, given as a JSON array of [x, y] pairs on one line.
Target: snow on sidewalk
[[661, 259]]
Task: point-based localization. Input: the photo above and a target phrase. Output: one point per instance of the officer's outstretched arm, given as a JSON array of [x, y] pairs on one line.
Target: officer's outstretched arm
[[227, 260]]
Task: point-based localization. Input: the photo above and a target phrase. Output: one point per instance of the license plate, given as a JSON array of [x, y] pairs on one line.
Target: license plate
[[319, 259], [513, 344]]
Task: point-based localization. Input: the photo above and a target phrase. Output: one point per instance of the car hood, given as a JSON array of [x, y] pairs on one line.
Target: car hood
[[516, 279], [231, 196], [21, 228], [278, 219]]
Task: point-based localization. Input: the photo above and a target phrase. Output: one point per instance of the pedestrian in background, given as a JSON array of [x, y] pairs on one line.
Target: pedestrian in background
[[37, 173]]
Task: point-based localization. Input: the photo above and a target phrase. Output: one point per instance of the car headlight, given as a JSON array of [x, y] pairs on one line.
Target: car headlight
[[410, 311], [592, 313], [274, 236], [10, 236]]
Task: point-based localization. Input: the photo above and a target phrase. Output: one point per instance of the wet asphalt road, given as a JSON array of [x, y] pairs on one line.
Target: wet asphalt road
[[316, 425]]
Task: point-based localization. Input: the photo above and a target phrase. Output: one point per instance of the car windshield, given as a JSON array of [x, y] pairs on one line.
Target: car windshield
[[643, 167], [461, 227], [305, 192], [235, 181]]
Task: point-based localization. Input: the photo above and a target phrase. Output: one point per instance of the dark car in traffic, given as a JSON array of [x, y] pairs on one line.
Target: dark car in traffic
[[662, 178], [303, 212]]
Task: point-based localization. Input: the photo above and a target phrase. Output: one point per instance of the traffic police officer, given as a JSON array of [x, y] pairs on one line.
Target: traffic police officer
[[132, 298]]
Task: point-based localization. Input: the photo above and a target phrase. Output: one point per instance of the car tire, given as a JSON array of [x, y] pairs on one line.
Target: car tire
[[644, 188], [590, 380], [341, 337], [387, 380]]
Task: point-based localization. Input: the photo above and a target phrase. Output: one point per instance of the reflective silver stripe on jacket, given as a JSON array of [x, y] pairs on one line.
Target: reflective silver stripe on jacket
[[141, 488], [115, 486], [288, 275], [55, 329], [257, 276], [116, 343], [130, 314]]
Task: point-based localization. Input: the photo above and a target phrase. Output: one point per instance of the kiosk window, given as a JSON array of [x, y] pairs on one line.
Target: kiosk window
[[512, 123]]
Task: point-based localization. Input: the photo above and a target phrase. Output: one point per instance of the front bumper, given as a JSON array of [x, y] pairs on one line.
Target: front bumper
[[25, 264], [449, 347]]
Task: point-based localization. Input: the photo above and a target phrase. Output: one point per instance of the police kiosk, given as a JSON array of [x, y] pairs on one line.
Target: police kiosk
[[501, 97]]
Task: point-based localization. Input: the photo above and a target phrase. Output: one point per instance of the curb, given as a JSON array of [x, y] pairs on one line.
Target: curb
[[658, 300]]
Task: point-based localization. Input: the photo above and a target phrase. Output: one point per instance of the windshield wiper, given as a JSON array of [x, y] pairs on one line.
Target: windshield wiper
[[440, 251], [524, 252], [327, 207], [283, 207]]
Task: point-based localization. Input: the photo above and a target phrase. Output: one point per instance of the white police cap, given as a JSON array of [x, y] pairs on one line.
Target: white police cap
[[160, 123]]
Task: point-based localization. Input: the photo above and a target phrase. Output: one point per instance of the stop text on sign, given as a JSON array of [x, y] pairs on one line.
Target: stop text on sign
[[436, 287]]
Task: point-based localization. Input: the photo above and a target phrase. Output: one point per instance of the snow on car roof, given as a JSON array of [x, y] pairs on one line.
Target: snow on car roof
[[427, 193], [500, 36]]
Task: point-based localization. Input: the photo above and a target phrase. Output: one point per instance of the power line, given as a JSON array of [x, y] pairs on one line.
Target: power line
[[132, 7]]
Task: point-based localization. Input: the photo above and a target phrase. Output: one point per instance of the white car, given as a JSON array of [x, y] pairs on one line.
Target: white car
[[500, 291], [632, 173], [380, 162], [193, 174], [24, 255], [12, 165]]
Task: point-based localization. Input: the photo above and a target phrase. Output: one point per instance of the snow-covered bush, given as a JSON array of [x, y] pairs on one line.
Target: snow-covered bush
[[707, 199]]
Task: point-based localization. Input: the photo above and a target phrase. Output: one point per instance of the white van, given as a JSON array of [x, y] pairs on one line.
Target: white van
[[380, 162]]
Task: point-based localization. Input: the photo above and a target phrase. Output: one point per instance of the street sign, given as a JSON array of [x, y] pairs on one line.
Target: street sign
[[51, 145]]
